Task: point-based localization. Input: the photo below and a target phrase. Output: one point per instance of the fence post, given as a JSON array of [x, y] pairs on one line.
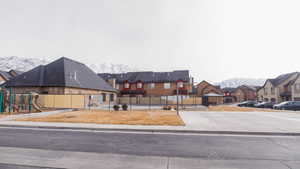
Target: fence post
[[130, 103], [89, 102], [182, 102], [29, 108], [1, 102], [10, 100], [149, 102], [166, 100], [109, 104]]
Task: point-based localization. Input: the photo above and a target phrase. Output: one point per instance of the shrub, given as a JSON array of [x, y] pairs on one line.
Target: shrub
[[124, 107], [116, 107], [167, 108]]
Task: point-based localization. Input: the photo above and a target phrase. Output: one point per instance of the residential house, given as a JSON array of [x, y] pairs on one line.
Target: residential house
[[281, 88], [245, 92], [150, 83], [63, 76], [204, 88], [229, 96], [212, 99]]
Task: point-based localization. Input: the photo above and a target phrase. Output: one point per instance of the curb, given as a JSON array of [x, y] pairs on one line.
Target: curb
[[160, 130]]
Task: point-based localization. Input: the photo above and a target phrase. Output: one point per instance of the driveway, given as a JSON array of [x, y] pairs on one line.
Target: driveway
[[243, 121]]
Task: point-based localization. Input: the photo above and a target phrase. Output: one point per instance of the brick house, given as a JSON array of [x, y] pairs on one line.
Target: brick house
[[63, 76], [245, 92], [204, 87], [229, 96], [150, 83], [282, 88]]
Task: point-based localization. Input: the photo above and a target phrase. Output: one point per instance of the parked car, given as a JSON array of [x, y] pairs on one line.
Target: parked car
[[247, 104], [265, 105], [289, 105]]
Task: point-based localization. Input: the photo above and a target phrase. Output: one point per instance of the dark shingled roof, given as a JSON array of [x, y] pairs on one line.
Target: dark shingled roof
[[6, 75], [148, 77], [278, 80], [229, 89], [63, 72]]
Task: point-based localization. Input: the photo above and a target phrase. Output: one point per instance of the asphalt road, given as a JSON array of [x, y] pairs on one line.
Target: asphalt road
[[181, 151]]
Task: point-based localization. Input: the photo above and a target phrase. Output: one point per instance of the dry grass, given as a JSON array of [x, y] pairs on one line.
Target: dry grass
[[3, 115], [155, 117], [236, 108]]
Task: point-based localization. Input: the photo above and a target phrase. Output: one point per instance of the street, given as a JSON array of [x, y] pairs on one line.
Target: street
[[38, 148]]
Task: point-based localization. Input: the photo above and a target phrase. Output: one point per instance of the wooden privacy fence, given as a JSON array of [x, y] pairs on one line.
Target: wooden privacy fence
[[61, 101], [71, 101]]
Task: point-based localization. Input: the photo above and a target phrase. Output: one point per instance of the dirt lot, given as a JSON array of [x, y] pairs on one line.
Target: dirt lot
[[139, 117], [2, 115], [236, 108]]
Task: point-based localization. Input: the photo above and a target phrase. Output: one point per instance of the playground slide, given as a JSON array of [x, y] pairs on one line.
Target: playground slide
[[35, 105]]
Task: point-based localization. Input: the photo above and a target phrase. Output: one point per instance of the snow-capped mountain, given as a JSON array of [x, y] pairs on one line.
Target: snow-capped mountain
[[235, 82], [20, 63], [25, 64]]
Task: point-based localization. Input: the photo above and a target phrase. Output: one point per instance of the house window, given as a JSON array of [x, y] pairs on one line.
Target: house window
[[297, 88], [139, 85], [265, 91], [167, 85], [104, 97], [272, 90], [126, 85], [152, 85], [180, 84], [111, 97]]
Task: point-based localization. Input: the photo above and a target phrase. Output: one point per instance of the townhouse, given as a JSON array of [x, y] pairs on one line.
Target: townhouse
[[285, 87], [245, 92], [150, 83]]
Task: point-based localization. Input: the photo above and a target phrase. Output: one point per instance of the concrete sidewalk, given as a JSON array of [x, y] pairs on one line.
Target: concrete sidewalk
[[41, 114], [256, 123]]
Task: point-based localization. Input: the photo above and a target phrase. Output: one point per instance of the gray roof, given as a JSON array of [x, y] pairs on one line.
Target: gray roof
[[229, 89], [253, 88], [148, 77], [8, 75], [63, 72], [5, 74], [212, 95], [278, 80]]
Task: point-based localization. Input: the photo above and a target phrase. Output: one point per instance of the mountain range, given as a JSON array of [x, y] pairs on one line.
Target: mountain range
[[235, 82], [24, 64]]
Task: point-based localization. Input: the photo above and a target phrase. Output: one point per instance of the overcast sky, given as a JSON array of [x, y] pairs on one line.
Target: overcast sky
[[214, 39]]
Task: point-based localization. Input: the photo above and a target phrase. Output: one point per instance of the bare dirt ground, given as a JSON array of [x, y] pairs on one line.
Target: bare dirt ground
[[138, 117], [3, 115]]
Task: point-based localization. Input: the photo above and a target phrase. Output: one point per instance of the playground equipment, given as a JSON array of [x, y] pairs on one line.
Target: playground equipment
[[35, 105], [10, 102]]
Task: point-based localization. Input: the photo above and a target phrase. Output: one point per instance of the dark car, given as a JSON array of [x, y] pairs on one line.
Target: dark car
[[265, 105], [289, 105], [247, 104]]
